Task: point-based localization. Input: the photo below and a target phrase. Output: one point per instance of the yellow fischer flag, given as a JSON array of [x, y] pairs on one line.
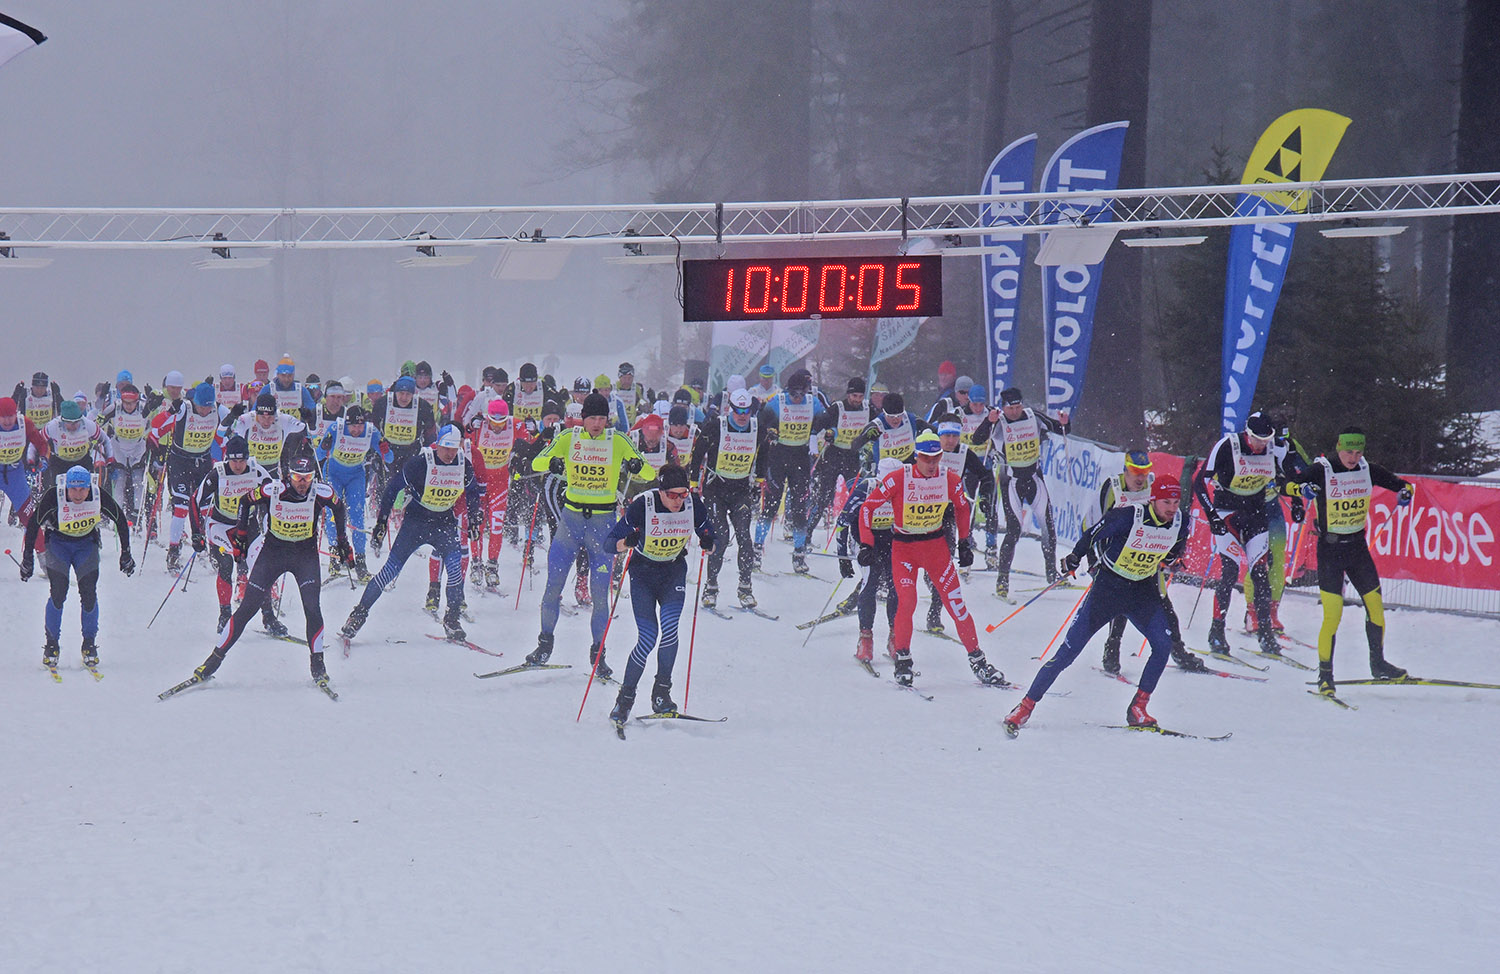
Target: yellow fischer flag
[[1296, 148]]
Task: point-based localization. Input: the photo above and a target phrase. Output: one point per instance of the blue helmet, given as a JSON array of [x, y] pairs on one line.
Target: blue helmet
[[77, 477], [203, 394], [124, 376]]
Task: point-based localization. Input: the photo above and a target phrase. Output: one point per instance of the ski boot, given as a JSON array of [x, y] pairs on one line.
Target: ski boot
[[711, 593], [661, 697], [799, 562], [174, 556], [452, 630], [335, 567], [624, 700], [757, 552], [1018, 717], [434, 596], [361, 571], [50, 650], [851, 603], [1052, 575], [1326, 686], [1381, 670], [272, 624], [1269, 644], [984, 671], [209, 666], [225, 613], [543, 651], [1217, 642], [935, 617], [1136, 715], [1111, 661], [491, 574], [1184, 659], [864, 650], [90, 652], [1002, 586], [596, 659], [476, 573], [318, 670], [746, 595], [357, 617], [904, 672], [991, 558]]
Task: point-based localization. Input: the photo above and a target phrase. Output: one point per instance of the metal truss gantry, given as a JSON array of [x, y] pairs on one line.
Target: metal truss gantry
[[1153, 211]]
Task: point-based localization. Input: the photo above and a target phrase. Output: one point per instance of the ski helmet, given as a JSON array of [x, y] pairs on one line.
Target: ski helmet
[[77, 477], [449, 438]]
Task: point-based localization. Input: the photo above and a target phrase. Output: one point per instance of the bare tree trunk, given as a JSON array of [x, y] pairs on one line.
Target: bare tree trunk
[[1474, 288], [1119, 75]]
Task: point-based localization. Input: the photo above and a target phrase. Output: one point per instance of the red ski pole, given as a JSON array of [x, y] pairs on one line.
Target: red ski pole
[[613, 606], [687, 685], [1065, 620], [526, 552]]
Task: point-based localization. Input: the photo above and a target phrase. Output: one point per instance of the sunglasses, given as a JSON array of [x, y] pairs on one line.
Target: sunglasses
[[742, 410], [265, 412], [678, 493]]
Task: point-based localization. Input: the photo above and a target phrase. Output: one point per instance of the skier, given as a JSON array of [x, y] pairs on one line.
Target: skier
[[349, 445], [1342, 485], [590, 457], [1241, 467], [764, 389], [218, 500], [627, 393], [1293, 461], [73, 439], [22, 445], [972, 473], [681, 433], [291, 508], [292, 398], [437, 478], [839, 425], [274, 437], [1018, 432], [789, 419], [492, 443], [876, 568], [729, 462], [193, 429], [658, 525], [1131, 544], [654, 447], [41, 401], [921, 497], [69, 513], [252, 390], [228, 390], [894, 430], [528, 397]]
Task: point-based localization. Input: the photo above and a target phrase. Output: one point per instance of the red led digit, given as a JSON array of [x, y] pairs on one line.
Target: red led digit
[[824, 305], [862, 300], [902, 285], [765, 291], [795, 303], [729, 292]]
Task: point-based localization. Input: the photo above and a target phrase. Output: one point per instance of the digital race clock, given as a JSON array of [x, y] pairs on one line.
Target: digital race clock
[[815, 287]]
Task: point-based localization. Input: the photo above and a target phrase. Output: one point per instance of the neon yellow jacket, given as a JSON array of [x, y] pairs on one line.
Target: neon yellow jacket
[[592, 465]]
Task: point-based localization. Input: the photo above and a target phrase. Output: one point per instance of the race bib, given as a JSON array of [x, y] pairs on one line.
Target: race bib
[[232, 489], [128, 427], [736, 451], [1346, 503], [12, 445], [796, 422], [589, 466], [495, 445], [897, 442], [77, 519], [292, 520], [666, 533], [198, 432], [923, 502], [850, 424], [401, 424], [445, 484], [74, 444], [1023, 441], [1146, 547], [350, 451], [529, 404], [265, 443]]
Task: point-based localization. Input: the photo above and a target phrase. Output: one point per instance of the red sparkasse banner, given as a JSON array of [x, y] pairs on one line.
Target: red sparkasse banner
[[1446, 536]]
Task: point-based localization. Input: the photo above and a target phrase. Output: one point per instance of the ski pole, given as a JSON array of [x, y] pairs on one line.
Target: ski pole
[[180, 573], [1201, 586], [188, 577], [1015, 611], [12, 557], [836, 586], [526, 552], [613, 606], [687, 685], [1066, 619]]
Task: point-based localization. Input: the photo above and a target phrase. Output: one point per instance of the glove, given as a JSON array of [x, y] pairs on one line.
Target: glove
[[127, 563], [866, 557], [1404, 495], [239, 542], [235, 413], [447, 379], [633, 465], [1070, 563], [28, 567], [476, 528], [846, 568], [344, 551], [1216, 524], [377, 533], [1311, 492], [1066, 421], [200, 543], [965, 554], [557, 466], [1299, 511]]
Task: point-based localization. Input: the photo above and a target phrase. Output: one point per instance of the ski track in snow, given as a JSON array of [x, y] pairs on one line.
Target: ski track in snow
[[429, 821]]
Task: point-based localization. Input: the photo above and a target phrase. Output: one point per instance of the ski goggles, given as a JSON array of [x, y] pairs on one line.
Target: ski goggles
[[678, 493], [1138, 460]]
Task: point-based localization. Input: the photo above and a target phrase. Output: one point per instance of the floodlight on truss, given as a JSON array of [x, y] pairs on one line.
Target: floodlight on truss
[[428, 257], [1156, 240], [530, 259], [1075, 245], [10, 259], [1388, 230], [222, 260]]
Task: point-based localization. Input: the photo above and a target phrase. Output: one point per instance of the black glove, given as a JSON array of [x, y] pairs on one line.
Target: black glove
[[28, 567], [866, 557], [1299, 510], [1311, 492], [1216, 524], [200, 543], [476, 528], [127, 563], [377, 534], [448, 379], [1404, 495], [965, 554], [557, 466], [633, 465], [846, 568], [235, 413], [1070, 563]]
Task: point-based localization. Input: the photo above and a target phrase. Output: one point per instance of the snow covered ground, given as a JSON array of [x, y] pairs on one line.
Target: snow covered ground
[[431, 821]]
